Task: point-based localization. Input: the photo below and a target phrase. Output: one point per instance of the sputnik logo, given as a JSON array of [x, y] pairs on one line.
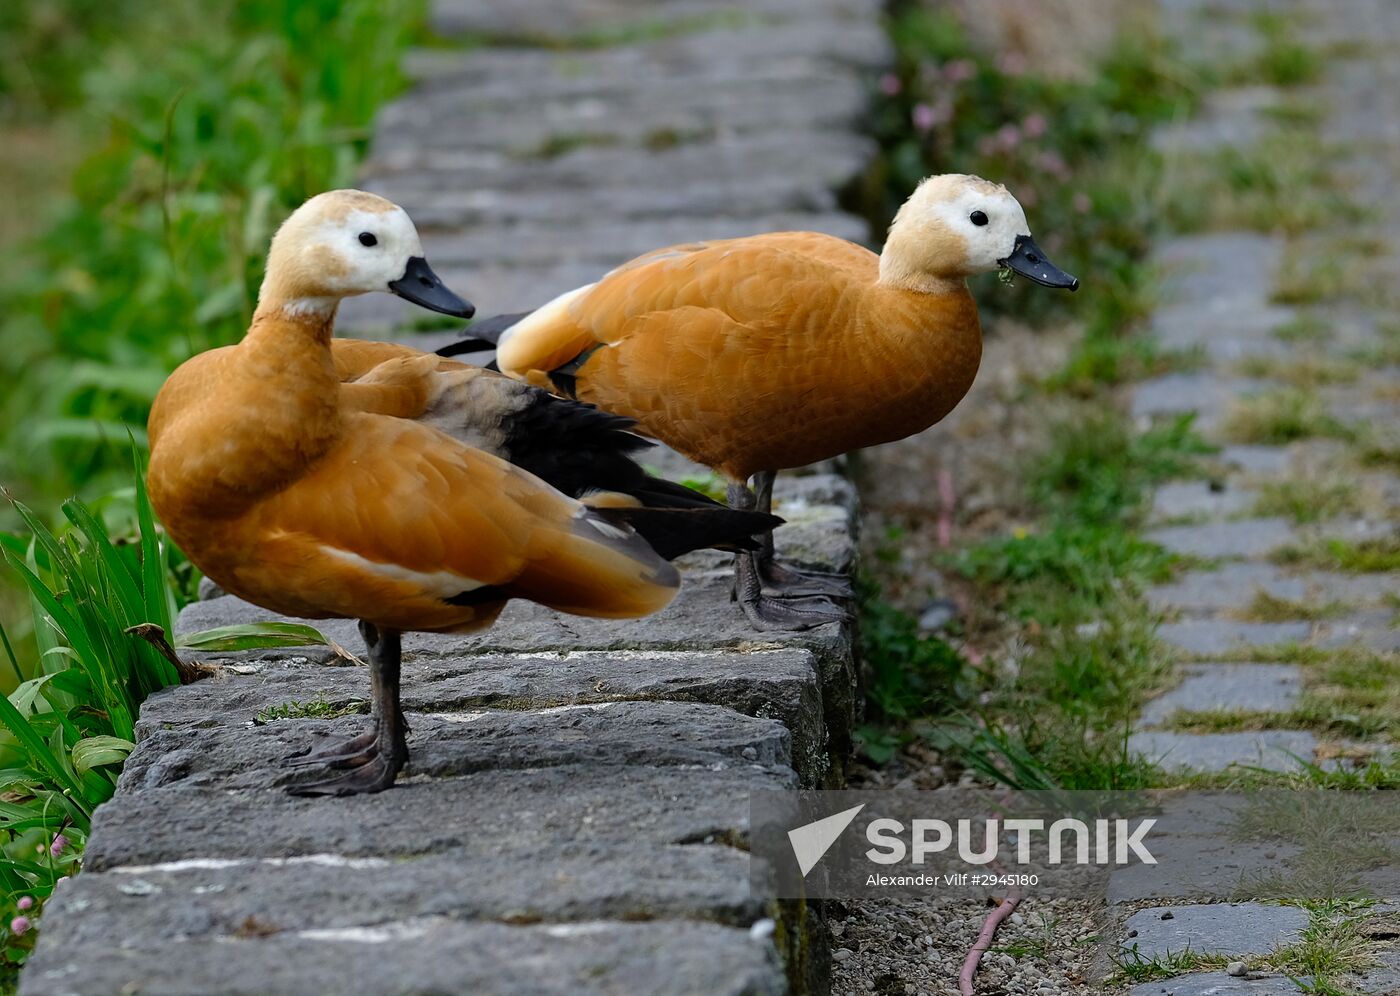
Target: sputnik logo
[[812, 840]]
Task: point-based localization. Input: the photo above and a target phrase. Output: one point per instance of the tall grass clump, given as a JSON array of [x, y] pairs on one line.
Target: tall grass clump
[[206, 123], [70, 722], [101, 610]]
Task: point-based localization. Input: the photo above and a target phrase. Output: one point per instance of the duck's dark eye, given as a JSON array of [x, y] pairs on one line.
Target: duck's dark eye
[[368, 239], [978, 218]]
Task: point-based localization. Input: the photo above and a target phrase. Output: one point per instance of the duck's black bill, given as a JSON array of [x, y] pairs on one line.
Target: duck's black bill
[[1027, 260], [425, 288]]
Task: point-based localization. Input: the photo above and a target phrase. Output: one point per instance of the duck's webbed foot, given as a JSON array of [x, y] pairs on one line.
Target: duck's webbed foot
[[372, 760], [345, 753], [777, 580], [790, 582], [767, 611], [775, 597], [373, 774]]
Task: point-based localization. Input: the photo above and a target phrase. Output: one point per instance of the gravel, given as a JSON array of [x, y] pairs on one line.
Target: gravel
[[917, 947]]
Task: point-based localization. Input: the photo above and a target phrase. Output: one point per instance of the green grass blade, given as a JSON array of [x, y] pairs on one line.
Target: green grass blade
[[252, 636], [28, 692], [20, 817], [118, 572], [155, 583], [94, 752], [60, 561], [10, 654], [78, 629], [45, 630], [69, 624], [40, 753]]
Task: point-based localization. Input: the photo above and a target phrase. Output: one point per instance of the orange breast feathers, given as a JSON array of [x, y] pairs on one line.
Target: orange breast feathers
[[761, 353], [392, 521]]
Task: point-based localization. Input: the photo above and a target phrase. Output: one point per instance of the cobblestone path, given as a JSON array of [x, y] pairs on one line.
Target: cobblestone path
[[1294, 591]]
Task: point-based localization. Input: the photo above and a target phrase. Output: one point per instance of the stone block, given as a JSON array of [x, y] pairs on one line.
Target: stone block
[[1208, 637], [1237, 929], [1183, 499], [483, 814], [1274, 750], [1232, 586], [1215, 687], [778, 684], [245, 757], [429, 955], [1238, 538], [1220, 984]]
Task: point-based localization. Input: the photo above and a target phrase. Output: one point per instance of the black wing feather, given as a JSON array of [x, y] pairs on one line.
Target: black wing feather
[[675, 531], [580, 449], [485, 334]]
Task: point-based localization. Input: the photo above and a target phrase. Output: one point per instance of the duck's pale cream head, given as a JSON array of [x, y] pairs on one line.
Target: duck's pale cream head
[[956, 225], [347, 242]]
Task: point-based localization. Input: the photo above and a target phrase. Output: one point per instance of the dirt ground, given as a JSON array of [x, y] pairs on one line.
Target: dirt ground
[[974, 457]]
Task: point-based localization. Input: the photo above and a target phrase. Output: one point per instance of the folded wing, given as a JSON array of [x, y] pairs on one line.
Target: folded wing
[[575, 447], [402, 527], [768, 282]]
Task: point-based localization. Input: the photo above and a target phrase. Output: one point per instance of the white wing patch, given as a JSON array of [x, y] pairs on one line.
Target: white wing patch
[[544, 315], [602, 526], [440, 584]]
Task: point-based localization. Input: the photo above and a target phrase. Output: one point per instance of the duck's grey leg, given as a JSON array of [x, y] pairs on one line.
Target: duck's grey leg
[[373, 758], [788, 582], [767, 611], [352, 751]]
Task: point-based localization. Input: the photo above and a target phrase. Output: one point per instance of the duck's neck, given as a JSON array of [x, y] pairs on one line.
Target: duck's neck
[[895, 271], [295, 319], [290, 341]]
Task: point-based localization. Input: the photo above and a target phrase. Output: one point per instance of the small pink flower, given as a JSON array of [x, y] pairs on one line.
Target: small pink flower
[[987, 145], [1012, 64], [1008, 137], [943, 110], [889, 84], [19, 925], [59, 845], [960, 70], [1027, 196], [25, 902], [1035, 125], [1082, 204], [924, 117], [1053, 163]]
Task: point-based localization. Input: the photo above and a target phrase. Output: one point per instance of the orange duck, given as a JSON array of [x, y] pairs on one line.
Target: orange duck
[[756, 354], [332, 478]]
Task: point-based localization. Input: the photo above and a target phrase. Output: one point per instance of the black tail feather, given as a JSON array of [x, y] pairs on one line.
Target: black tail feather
[[580, 449], [463, 346], [672, 532], [485, 333], [657, 492]]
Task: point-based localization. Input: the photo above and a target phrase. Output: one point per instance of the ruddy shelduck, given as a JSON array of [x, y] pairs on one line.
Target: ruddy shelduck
[[334, 478], [756, 354]]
